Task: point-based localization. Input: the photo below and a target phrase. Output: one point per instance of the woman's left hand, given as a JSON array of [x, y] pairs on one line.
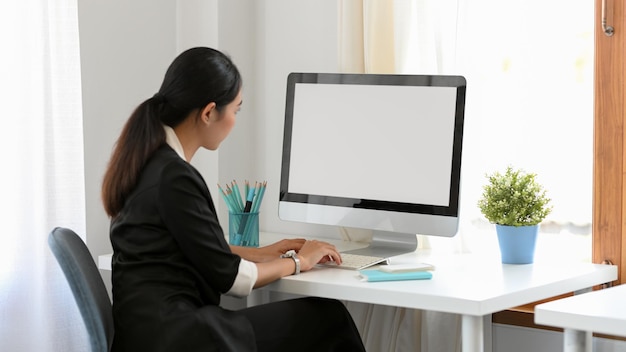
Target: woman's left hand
[[277, 249]]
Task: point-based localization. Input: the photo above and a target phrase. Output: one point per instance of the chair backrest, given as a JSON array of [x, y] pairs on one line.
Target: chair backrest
[[86, 284]]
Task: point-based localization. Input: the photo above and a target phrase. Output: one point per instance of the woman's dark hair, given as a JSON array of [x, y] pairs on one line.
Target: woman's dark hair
[[195, 78]]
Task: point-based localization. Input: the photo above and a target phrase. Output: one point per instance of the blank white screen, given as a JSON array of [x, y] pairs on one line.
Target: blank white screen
[[378, 142]]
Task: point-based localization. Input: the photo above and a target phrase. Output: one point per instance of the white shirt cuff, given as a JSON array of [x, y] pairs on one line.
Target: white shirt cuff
[[245, 280]]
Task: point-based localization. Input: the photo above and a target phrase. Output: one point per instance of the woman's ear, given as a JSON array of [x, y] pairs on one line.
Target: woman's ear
[[209, 113]]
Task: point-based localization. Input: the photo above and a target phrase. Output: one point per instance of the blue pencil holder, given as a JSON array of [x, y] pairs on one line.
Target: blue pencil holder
[[243, 229]]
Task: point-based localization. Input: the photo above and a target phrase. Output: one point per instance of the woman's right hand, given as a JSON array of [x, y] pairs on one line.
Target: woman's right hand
[[314, 252]]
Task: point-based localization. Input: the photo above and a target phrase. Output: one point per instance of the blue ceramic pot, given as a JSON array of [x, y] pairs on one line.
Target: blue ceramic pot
[[517, 243]]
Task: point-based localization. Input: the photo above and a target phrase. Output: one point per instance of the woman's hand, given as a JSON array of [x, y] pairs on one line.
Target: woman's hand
[[268, 253], [272, 267], [314, 252], [279, 248]]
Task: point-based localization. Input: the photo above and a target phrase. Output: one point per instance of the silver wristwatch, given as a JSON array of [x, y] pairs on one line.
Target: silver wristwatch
[[293, 255]]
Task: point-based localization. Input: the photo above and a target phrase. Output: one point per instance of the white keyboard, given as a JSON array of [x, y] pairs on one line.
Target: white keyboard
[[356, 261]]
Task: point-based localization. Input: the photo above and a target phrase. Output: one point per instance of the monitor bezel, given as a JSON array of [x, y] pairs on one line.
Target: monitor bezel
[[450, 210]]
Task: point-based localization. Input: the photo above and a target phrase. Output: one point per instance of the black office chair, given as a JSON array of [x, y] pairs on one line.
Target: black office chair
[[87, 286]]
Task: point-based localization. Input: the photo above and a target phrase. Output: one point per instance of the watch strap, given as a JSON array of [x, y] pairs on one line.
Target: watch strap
[[293, 255]]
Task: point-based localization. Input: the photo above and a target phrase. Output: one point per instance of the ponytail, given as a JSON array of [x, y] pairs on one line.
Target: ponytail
[[197, 77], [140, 137]]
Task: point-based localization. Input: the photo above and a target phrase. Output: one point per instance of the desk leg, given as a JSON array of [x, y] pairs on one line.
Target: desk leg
[[487, 333], [472, 334], [577, 341]]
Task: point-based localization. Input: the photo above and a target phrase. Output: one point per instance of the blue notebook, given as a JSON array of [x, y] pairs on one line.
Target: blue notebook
[[374, 275]]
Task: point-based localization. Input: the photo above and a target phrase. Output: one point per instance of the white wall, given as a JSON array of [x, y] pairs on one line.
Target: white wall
[[288, 36], [125, 49]]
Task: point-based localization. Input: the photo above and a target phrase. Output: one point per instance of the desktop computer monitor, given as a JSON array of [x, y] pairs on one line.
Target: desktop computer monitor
[[373, 151]]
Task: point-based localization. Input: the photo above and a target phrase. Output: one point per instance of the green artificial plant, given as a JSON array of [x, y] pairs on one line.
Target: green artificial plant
[[514, 198]]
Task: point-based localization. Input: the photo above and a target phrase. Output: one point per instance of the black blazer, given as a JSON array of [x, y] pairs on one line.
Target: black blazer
[[171, 263]]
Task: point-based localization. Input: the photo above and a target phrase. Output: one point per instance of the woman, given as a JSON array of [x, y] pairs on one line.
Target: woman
[[171, 262]]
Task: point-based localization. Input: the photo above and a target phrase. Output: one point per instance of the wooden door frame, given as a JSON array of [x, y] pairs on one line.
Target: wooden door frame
[[609, 165]]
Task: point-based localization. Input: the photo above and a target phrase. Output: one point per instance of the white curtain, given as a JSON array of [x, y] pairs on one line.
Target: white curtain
[[42, 180], [398, 36]]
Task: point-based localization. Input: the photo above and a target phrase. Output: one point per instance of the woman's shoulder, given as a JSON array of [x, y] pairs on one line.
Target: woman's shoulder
[[167, 165], [164, 161], [165, 153], [165, 158]]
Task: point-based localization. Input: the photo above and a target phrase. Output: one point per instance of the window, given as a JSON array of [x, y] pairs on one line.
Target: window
[[529, 105]]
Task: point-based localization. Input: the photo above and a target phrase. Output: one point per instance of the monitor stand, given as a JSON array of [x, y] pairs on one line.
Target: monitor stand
[[388, 244]]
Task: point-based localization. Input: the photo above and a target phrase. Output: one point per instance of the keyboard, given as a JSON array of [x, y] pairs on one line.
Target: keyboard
[[356, 261]]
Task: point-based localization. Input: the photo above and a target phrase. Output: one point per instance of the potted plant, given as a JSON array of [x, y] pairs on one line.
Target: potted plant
[[516, 203]]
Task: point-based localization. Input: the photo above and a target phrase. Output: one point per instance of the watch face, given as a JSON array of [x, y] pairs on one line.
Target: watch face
[[289, 254], [293, 255]]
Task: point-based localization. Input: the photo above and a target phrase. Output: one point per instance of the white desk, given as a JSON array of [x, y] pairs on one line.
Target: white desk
[[602, 311], [470, 285]]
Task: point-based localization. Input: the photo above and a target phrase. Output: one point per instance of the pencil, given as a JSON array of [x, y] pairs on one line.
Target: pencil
[[235, 187], [259, 199], [226, 199]]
